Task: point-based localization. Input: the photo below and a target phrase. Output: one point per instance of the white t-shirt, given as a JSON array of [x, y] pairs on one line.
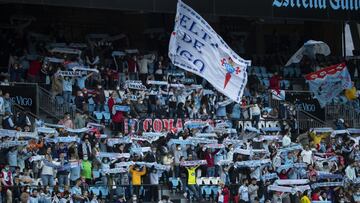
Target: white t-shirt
[[286, 141], [2, 109], [306, 156], [244, 193]]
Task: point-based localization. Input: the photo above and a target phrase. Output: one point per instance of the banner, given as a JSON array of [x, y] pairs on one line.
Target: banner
[[54, 60], [329, 82], [36, 158], [252, 163], [9, 144], [80, 130], [69, 73], [193, 163], [77, 68], [25, 95], [46, 130], [8, 133], [214, 146], [195, 47], [291, 190], [225, 103], [278, 95], [292, 181], [269, 176], [113, 141], [113, 170], [304, 101], [113, 155], [122, 108], [155, 82], [206, 135], [160, 125], [134, 84], [224, 162], [327, 184]]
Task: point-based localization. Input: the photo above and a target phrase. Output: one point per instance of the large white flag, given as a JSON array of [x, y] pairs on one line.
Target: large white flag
[[196, 47]]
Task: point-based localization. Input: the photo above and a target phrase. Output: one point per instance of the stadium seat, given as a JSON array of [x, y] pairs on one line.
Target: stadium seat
[[106, 117], [98, 115], [206, 192], [176, 183]]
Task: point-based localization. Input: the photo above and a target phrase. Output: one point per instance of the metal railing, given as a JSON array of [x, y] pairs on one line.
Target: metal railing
[[55, 108], [307, 121], [15, 109], [334, 112]]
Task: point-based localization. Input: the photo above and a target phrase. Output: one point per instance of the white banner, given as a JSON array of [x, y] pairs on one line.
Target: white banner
[[196, 47]]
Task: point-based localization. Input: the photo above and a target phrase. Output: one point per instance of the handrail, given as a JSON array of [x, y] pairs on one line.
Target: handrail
[[54, 110], [17, 106], [312, 116]]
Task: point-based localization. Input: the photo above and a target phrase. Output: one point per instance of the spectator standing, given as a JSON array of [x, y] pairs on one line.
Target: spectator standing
[[244, 192], [133, 68], [136, 173], [144, 62], [223, 194], [275, 82], [7, 103], [67, 89]]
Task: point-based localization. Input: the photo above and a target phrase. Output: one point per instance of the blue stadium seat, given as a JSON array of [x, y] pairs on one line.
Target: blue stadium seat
[[98, 115]]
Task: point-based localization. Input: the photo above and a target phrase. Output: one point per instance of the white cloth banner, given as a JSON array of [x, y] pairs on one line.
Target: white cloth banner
[[113, 155], [206, 135], [37, 158], [193, 163], [194, 46], [156, 82], [46, 130], [113, 170], [77, 68], [292, 181], [13, 144], [80, 130]]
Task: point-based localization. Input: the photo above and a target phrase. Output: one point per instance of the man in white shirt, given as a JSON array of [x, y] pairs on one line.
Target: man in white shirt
[[244, 192], [144, 61], [286, 141], [306, 155], [350, 171]]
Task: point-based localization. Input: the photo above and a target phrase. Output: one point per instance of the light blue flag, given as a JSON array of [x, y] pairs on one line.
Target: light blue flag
[[329, 82]]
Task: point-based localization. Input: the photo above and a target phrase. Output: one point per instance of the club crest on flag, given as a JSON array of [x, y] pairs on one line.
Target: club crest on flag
[[230, 68]]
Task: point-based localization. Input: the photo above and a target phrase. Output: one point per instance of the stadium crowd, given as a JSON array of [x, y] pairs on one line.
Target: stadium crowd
[[75, 160]]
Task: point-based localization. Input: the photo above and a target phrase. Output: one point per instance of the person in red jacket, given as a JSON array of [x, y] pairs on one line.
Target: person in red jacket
[[34, 70], [117, 117], [223, 194], [275, 82], [111, 101], [210, 159], [133, 68]]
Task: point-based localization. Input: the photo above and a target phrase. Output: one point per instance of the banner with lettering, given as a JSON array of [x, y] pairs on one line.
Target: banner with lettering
[[329, 82], [195, 47], [163, 125], [304, 101], [24, 95]]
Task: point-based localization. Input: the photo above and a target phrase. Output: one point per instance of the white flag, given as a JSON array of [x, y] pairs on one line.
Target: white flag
[[196, 47]]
